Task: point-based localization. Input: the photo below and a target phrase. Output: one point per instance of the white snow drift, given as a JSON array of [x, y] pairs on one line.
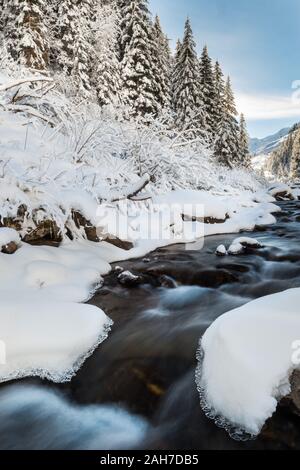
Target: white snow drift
[[8, 235], [247, 357], [50, 340]]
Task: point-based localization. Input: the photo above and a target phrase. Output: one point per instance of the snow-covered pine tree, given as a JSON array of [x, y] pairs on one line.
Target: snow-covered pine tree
[[245, 159], [227, 141], [220, 94], [2, 16], [163, 64], [52, 10], [208, 91], [26, 32], [106, 77], [295, 163], [75, 38], [125, 33], [187, 98], [138, 68], [174, 72]]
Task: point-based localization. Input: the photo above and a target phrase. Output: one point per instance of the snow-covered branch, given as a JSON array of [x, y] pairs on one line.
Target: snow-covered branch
[[16, 83]]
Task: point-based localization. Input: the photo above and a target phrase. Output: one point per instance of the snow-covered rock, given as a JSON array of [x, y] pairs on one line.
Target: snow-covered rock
[[247, 357], [221, 250], [50, 340], [126, 278], [235, 248], [281, 192], [9, 240]]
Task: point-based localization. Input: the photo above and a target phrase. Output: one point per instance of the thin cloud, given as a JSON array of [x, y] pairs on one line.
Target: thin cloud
[[260, 107]]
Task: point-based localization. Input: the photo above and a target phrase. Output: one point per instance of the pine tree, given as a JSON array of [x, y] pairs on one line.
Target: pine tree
[[26, 32], [174, 71], [138, 66], [227, 140], [208, 91], [75, 41], [162, 65], [219, 94], [106, 67], [187, 99], [245, 159]]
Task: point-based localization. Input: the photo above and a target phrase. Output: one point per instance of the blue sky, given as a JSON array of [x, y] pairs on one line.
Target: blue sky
[[258, 44]]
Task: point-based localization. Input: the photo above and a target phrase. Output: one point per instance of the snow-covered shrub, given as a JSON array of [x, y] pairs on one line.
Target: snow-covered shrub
[[58, 156]]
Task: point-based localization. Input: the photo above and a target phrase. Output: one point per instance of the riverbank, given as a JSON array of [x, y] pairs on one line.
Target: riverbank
[[148, 362]]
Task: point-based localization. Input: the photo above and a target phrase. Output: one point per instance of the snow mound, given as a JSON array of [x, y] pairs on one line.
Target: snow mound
[[49, 340], [246, 358], [8, 235], [213, 206]]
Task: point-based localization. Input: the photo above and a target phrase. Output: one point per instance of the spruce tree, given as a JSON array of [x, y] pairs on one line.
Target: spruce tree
[[26, 32], [174, 72], [245, 159], [75, 37], [187, 98], [138, 68], [106, 75], [162, 59], [219, 95], [208, 91], [227, 140]]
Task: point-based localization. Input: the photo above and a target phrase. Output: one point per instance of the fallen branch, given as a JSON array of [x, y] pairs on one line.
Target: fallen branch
[[28, 110], [133, 190]]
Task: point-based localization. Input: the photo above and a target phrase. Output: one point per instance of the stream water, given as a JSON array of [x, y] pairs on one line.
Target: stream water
[[147, 365]]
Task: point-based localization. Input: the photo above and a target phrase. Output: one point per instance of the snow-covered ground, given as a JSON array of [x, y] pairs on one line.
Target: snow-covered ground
[[246, 360], [55, 162]]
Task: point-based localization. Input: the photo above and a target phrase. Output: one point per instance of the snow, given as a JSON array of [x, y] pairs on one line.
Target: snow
[[235, 249], [189, 199], [8, 235], [221, 250], [58, 157], [238, 246], [44, 329], [280, 188], [247, 241], [127, 277], [246, 359], [50, 339]]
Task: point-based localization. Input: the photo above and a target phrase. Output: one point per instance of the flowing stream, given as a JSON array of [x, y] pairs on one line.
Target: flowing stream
[[147, 365]]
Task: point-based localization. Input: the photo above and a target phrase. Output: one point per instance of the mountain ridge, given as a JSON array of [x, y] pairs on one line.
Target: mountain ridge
[[268, 144]]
